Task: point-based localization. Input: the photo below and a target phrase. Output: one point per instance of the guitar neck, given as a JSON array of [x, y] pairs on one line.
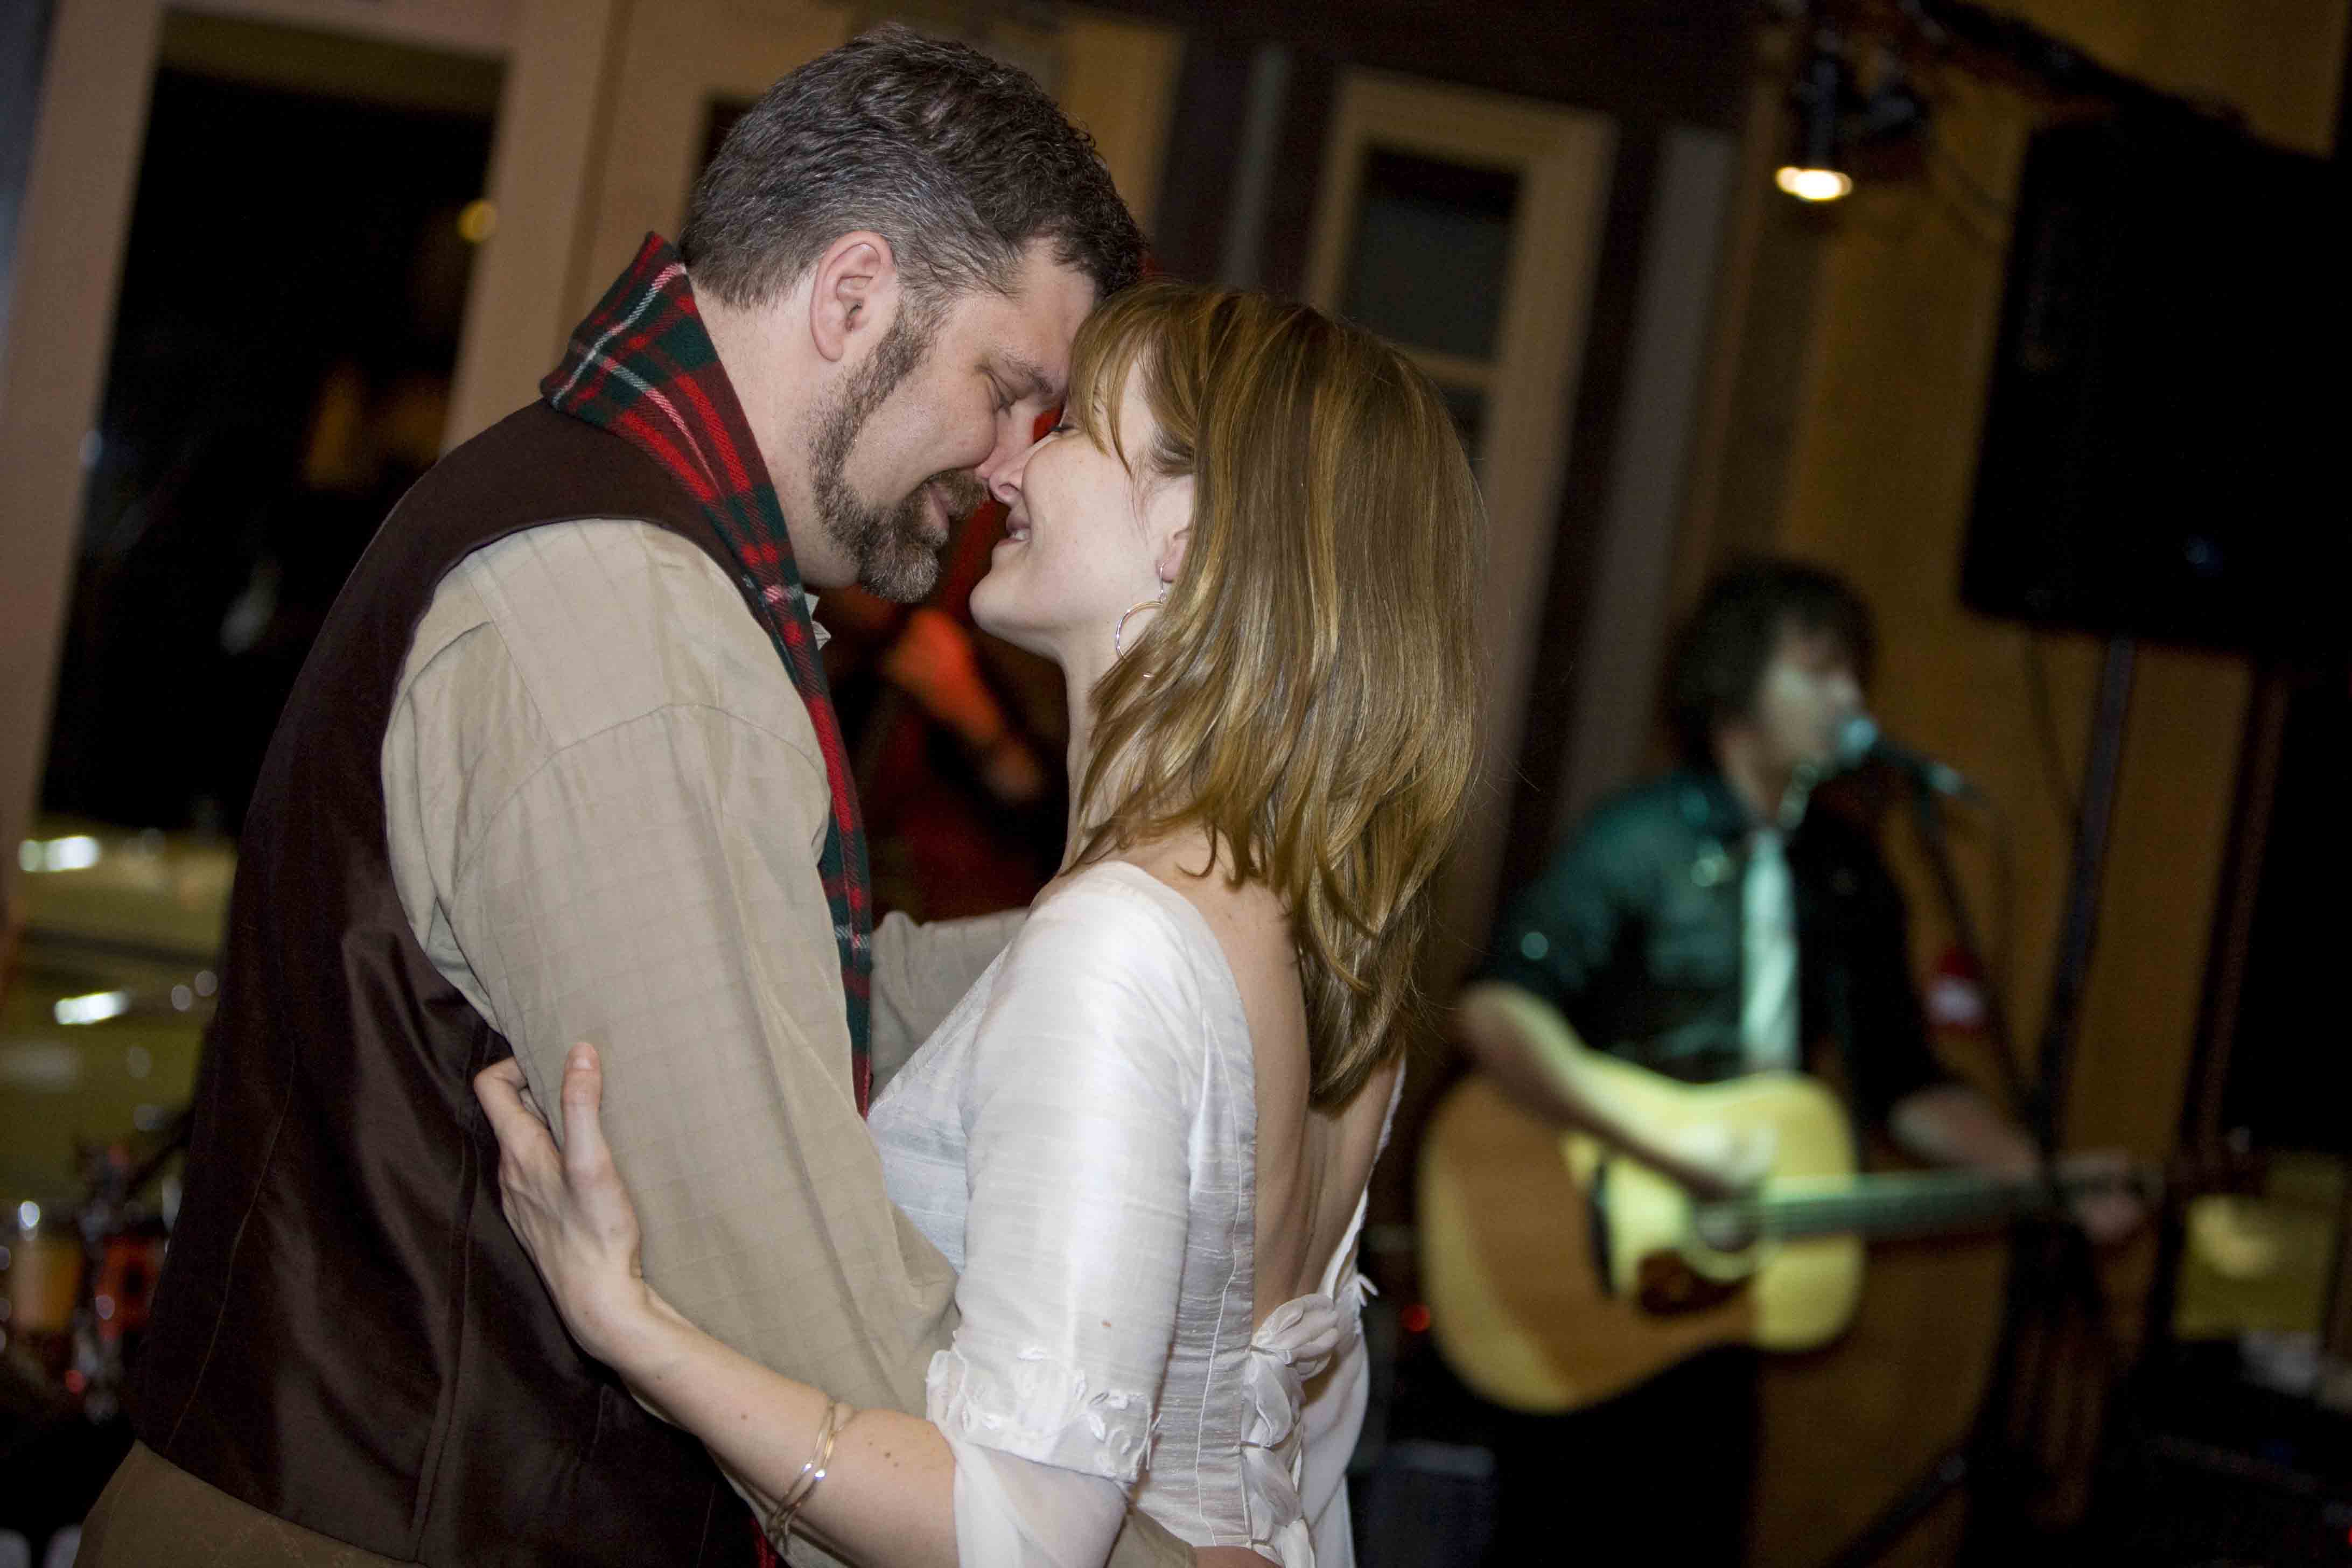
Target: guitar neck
[[1900, 1205]]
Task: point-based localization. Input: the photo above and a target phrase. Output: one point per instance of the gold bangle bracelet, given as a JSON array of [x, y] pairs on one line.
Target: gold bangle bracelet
[[793, 1488], [837, 1417]]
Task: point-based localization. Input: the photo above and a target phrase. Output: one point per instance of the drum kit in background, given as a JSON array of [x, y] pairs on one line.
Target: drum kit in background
[[107, 981], [75, 1288]]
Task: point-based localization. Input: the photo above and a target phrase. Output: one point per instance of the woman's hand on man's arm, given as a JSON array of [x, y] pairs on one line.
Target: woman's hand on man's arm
[[571, 1212]]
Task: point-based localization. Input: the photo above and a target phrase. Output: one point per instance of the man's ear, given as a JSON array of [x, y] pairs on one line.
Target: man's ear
[[854, 292]]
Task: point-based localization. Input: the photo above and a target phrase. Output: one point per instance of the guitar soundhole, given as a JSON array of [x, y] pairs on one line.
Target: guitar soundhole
[[1728, 1227], [1666, 1285]]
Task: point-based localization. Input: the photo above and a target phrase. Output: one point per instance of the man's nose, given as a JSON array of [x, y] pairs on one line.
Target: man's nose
[[1001, 473]]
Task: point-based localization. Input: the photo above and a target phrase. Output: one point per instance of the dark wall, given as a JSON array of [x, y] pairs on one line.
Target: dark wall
[[1644, 66], [1633, 59]]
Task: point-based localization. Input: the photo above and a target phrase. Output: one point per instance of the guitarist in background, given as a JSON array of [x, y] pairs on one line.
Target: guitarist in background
[[1704, 925]]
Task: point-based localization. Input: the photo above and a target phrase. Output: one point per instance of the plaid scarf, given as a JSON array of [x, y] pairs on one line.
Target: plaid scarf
[[642, 367]]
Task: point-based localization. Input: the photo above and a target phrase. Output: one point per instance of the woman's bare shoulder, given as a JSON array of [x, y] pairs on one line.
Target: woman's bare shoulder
[[1248, 921]]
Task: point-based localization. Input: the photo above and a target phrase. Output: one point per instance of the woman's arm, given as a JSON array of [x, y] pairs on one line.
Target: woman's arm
[[1041, 1412], [889, 1497]]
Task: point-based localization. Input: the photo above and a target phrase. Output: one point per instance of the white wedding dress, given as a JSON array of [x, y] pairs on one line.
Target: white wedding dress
[[1080, 1139]]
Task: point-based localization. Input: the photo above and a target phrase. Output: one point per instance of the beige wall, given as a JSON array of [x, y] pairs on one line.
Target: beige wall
[[1118, 80], [519, 300], [1898, 297], [77, 213]]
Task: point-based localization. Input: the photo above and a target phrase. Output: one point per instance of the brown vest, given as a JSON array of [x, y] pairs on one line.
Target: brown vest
[[347, 1335]]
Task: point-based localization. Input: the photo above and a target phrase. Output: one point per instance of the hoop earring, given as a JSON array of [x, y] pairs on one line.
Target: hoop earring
[[1119, 632]]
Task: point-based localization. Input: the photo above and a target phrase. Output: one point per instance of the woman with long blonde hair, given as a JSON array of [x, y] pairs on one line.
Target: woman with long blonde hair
[[1144, 1137]]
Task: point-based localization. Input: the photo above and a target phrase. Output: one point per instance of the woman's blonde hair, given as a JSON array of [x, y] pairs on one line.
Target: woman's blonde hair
[[1307, 692]]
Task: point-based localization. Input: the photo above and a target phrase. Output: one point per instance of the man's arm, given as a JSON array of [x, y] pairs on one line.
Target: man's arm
[[1525, 1044], [607, 804], [921, 972], [1552, 946], [1955, 1124], [1930, 1115]]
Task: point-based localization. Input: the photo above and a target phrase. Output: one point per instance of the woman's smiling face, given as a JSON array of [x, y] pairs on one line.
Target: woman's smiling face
[[1086, 540]]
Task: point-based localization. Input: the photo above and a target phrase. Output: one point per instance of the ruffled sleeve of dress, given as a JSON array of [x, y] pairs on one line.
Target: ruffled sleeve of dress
[[1078, 1109]]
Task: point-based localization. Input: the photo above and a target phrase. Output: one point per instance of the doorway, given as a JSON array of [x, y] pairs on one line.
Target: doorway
[[284, 333]]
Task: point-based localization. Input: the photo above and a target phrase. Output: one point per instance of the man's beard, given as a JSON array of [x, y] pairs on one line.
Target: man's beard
[[894, 559]]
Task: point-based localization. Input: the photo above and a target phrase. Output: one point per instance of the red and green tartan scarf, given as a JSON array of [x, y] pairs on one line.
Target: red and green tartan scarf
[[642, 367]]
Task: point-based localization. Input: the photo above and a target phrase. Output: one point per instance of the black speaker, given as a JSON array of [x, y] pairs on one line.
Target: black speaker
[[2165, 442]]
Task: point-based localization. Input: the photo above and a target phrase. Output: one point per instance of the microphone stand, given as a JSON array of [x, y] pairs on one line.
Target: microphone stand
[[2050, 1264], [1928, 818]]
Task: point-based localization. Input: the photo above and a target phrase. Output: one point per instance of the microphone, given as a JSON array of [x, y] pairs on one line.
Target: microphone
[[1860, 740]]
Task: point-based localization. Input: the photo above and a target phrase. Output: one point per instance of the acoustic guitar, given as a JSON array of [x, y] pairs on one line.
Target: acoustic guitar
[[1557, 1273]]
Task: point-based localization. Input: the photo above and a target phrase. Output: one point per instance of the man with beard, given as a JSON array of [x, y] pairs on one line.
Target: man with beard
[[562, 765]]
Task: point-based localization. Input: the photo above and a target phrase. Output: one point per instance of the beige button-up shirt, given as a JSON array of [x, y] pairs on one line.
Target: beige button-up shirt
[[606, 805]]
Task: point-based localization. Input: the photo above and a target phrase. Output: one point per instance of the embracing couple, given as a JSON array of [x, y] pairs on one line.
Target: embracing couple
[[1072, 1283]]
